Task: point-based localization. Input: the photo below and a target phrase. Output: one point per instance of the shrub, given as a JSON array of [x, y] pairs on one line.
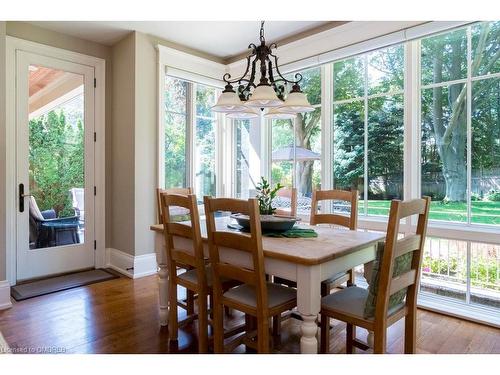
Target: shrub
[[494, 195], [475, 197]]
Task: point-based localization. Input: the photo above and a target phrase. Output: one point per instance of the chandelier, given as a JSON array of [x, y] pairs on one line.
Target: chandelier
[[269, 94]]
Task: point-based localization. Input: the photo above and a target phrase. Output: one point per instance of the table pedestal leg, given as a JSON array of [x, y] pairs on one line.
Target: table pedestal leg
[[369, 339], [308, 305], [161, 259], [309, 329], [163, 289]]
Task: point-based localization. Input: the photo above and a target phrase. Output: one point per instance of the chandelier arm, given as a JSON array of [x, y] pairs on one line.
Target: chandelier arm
[[298, 76], [279, 89], [250, 81], [227, 76]]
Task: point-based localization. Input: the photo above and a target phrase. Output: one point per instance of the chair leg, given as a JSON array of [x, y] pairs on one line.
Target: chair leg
[[173, 324], [211, 304], [325, 289], [352, 278], [410, 333], [350, 336], [277, 326], [218, 324], [202, 323], [190, 302], [379, 340], [263, 335], [325, 334]]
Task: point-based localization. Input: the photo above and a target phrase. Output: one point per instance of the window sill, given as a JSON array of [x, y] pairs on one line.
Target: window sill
[[475, 313]]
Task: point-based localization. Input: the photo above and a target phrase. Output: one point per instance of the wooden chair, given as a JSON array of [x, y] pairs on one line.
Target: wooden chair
[[292, 195], [255, 297], [190, 253], [350, 222], [188, 304], [350, 304]]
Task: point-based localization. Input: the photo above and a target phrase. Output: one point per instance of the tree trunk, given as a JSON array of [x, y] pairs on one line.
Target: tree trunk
[[451, 149], [304, 168]]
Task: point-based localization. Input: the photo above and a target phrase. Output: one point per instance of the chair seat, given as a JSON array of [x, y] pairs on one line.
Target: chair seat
[[276, 295], [351, 301]]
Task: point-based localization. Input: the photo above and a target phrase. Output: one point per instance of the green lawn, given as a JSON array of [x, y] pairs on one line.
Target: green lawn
[[483, 212]]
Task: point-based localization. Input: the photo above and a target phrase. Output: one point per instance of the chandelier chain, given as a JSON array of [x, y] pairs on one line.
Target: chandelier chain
[[262, 39]]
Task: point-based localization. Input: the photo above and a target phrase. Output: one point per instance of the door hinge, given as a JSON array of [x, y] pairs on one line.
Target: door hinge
[[95, 137], [95, 244], [95, 82], [95, 190]]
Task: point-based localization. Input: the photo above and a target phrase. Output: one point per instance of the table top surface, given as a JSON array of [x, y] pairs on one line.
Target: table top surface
[[331, 243]]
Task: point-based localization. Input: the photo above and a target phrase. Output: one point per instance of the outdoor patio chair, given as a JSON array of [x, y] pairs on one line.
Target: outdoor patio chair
[[46, 229]]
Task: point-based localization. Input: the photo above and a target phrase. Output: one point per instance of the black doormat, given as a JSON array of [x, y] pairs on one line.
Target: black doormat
[[58, 283]]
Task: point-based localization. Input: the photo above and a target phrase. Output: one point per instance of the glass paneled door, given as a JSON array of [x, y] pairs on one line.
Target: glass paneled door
[[55, 166]]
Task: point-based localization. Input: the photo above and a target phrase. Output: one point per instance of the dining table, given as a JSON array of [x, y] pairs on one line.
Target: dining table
[[307, 261]]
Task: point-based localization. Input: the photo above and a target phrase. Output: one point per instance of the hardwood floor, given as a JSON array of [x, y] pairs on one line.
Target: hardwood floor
[[121, 316]]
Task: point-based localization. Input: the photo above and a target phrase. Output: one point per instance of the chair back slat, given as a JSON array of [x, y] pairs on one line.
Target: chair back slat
[[182, 256], [159, 192], [402, 281], [177, 229], [411, 207], [243, 245], [229, 205], [288, 193], [407, 244], [237, 273], [351, 197], [395, 248], [233, 241], [333, 219]]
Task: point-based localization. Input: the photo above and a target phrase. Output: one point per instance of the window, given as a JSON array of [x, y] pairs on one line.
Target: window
[[176, 133], [368, 112], [206, 125], [247, 137], [190, 124], [296, 145], [460, 144]]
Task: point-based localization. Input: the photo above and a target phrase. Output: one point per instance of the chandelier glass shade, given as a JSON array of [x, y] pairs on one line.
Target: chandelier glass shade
[[274, 113], [242, 96]]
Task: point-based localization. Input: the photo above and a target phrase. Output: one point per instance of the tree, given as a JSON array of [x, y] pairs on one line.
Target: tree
[[56, 156], [444, 58]]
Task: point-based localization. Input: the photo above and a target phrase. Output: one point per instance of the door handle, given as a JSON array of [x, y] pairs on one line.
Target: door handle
[[21, 197]]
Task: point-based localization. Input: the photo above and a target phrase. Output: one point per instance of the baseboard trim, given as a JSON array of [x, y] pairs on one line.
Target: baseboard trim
[[5, 301], [129, 265]]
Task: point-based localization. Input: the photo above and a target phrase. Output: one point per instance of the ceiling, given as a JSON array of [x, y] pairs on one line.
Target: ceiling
[[222, 39]]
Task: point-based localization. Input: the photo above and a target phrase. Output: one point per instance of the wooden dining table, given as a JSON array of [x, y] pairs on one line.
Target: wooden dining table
[[307, 261]]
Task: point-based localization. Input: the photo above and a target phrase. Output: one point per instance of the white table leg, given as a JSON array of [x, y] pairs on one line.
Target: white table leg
[[162, 278], [369, 339], [308, 304]]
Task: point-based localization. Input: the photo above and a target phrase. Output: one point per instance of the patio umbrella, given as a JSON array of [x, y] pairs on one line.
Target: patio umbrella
[[287, 153]]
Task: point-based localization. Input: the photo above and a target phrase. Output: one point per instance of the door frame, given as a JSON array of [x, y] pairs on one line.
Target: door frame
[[99, 66]]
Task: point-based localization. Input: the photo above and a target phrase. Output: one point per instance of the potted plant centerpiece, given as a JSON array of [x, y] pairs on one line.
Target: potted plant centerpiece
[[269, 222]]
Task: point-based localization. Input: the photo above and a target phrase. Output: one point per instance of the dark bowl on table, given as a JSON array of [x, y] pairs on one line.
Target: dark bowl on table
[[269, 223]]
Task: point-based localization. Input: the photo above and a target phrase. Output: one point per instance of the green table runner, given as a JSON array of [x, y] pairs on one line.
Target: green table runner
[[295, 232]]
